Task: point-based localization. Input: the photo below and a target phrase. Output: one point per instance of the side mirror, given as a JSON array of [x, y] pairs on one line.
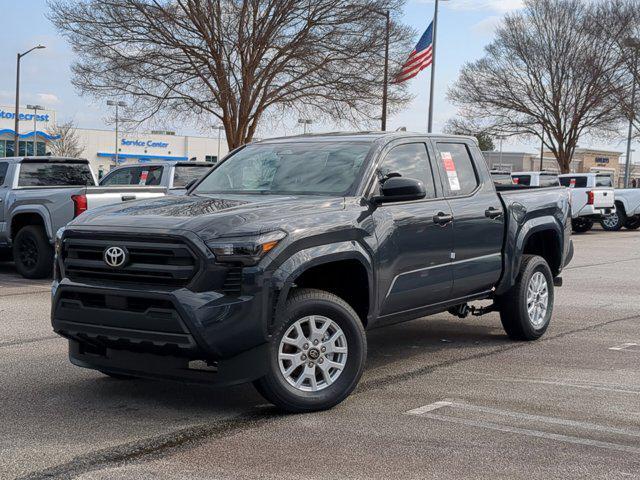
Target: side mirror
[[400, 189], [191, 184]]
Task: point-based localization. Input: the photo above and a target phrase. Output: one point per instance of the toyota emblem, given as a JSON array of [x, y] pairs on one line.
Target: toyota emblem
[[115, 257]]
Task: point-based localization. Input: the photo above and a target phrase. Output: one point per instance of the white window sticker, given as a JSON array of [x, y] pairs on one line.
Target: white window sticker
[[143, 177], [450, 168]]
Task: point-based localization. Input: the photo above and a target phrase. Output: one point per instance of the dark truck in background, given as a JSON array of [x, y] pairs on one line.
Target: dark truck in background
[[273, 266]]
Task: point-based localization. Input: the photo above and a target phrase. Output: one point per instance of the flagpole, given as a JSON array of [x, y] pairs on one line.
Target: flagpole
[[433, 68]]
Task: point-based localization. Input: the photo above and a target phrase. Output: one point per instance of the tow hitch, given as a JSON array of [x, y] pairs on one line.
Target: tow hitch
[[464, 310]]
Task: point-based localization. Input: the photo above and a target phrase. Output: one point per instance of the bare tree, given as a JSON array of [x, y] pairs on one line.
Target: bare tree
[[552, 72], [65, 142], [235, 59], [461, 126]]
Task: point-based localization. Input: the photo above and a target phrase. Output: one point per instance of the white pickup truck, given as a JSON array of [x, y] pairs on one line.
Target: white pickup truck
[[627, 212], [592, 198], [535, 179]]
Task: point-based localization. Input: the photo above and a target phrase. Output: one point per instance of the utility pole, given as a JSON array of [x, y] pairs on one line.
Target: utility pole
[[633, 43], [542, 150], [112, 103], [16, 135], [219, 128]]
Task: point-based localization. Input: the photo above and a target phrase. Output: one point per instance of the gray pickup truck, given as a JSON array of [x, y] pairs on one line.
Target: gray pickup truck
[[37, 196], [273, 265]]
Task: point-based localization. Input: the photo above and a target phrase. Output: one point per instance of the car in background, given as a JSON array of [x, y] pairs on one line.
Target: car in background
[[157, 178], [536, 179], [592, 198], [501, 177]]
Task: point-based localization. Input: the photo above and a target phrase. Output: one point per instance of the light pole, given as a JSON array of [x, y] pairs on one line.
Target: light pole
[[433, 66], [35, 109], [305, 122], [113, 103], [633, 43], [501, 138], [542, 150], [219, 128], [16, 137]]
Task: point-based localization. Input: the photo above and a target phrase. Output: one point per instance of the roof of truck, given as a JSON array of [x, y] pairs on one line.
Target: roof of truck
[[47, 159], [371, 136]]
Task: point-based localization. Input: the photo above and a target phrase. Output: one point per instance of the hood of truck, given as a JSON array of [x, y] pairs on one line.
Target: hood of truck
[[209, 216]]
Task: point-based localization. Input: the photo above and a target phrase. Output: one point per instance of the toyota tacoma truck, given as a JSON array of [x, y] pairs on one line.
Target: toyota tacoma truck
[[592, 198], [274, 264]]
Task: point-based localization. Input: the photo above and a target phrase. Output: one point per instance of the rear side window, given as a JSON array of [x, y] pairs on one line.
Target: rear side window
[[4, 166], [53, 174], [409, 161], [574, 182], [140, 176], [548, 180], [460, 177], [186, 173], [604, 181], [522, 179]]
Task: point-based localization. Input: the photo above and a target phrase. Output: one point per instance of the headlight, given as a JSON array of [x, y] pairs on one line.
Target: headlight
[[58, 243], [246, 250]]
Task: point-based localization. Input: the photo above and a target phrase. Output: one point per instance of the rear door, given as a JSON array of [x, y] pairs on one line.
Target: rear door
[[415, 239], [478, 219]]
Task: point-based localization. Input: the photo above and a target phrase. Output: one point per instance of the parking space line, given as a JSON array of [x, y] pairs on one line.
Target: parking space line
[[534, 433], [426, 411], [626, 347]]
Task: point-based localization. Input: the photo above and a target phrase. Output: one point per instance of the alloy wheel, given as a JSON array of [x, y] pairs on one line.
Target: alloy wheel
[[537, 299]]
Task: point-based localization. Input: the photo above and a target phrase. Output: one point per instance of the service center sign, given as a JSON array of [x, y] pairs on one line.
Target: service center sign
[[144, 143]]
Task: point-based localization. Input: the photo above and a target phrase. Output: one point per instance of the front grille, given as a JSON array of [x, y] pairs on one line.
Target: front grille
[[152, 261]]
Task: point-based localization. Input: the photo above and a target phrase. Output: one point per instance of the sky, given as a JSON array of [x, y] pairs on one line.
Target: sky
[[465, 28]]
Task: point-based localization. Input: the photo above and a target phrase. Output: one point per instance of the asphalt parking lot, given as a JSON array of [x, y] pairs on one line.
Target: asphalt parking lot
[[441, 398]]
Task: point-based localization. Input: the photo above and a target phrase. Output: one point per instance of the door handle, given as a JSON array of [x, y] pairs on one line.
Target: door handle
[[492, 213], [128, 198], [442, 218]]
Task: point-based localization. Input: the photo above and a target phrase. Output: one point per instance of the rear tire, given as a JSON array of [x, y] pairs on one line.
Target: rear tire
[[526, 309], [32, 252], [614, 222], [632, 223], [581, 225], [316, 355]]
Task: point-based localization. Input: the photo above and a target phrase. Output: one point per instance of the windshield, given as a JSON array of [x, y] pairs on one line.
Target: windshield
[[298, 168]]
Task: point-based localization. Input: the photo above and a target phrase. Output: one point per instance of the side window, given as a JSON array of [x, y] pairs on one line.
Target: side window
[[460, 177], [409, 161], [574, 182], [547, 180], [4, 166]]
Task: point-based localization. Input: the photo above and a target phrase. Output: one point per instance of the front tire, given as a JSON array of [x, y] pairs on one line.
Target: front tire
[[316, 355], [614, 222], [581, 225], [526, 309], [32, 252]]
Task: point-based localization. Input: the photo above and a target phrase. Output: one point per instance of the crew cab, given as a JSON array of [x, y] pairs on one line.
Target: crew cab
[[536, 179], [275, 263], [156, 179], [592, 198]]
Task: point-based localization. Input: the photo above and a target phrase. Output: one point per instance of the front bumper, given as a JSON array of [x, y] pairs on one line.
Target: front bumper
[[164, 333]]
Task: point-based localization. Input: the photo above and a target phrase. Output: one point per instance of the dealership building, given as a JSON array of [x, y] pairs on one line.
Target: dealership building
[[99, 146]]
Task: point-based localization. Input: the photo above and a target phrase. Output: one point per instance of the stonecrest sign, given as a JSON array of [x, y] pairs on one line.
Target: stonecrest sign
[[143, 143], [24, 116]]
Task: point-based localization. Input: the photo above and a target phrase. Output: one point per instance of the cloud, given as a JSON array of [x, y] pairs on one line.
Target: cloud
[[487, 26], [48, 98]]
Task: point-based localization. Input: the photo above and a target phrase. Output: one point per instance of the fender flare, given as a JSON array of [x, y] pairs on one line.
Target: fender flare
[[39, 210], [514, 252], [283, 278]]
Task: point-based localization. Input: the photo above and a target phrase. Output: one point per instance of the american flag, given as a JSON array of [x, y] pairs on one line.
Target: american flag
[[419, 59]]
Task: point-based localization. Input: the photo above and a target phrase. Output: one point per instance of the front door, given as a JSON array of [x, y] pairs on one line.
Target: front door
[[478, 219], [415, 238]]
